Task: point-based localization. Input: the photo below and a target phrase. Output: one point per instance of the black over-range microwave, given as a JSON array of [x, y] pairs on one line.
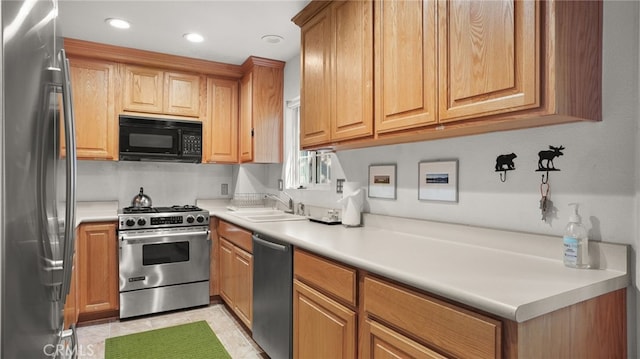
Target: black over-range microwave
[[155, 139]]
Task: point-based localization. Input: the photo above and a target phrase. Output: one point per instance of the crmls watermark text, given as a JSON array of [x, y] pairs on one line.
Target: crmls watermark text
[[66, 351]]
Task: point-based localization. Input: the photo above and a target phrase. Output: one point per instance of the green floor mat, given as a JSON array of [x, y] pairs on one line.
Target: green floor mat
[[194, 341]]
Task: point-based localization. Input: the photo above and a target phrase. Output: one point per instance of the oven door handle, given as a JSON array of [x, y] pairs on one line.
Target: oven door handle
[[141, 238]]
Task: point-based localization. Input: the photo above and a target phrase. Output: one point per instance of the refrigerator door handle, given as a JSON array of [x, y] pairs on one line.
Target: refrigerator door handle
[[70, 144], [72, 335]]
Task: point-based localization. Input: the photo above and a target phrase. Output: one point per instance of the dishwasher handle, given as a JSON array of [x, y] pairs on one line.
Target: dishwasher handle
[[272, 245]]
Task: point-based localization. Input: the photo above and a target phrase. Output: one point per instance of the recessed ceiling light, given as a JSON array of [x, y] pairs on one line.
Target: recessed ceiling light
[[193, 37], [272, 39], [118, 23]]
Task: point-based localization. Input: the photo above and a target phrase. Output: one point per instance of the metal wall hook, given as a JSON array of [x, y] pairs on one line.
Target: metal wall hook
[[505, 163], [545, 161]]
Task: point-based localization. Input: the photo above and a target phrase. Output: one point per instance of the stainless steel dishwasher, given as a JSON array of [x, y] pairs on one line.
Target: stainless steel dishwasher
[[272, 296]]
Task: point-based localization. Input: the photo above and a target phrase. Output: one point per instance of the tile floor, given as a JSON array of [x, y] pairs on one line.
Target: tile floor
[[230, 332]]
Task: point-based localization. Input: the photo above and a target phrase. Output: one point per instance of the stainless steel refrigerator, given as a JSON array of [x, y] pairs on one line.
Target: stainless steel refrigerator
[[37, 158]]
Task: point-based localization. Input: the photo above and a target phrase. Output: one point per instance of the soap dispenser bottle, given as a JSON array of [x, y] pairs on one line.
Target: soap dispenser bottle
[[576, 243]]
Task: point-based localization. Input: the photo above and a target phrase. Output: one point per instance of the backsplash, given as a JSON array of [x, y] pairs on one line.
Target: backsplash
[[166, 183]]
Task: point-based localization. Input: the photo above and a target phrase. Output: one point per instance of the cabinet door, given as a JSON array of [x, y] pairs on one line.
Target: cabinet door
[[221, 125], [267, 112], [315, 91], [352, 68], [93, 87], [379, 342], [227, 279], [322, 327], [143, 89], [488, 57], [243, 269], [246, 118], [181, 94], [97, 252], [405, 62]]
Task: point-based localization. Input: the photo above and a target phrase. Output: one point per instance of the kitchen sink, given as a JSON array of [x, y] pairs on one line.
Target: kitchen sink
[[266, 215]]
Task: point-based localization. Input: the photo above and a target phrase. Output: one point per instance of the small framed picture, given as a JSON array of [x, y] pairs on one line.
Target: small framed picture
[[438, 181], [382, 181]]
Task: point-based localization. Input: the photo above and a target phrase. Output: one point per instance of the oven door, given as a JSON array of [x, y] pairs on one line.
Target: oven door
[[163, 257]]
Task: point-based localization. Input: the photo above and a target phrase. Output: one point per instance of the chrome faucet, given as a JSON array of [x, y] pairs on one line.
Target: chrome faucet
[[289, 203]]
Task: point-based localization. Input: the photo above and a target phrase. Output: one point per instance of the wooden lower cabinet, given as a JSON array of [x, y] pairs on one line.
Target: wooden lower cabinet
[[243, 268], [226, 271], [387, 320], [324, 307], [379, 341], [322, 327], [97, 271], [236, 271], [447, 328]]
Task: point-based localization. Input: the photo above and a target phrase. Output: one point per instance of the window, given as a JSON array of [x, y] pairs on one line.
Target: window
[[303, 169]]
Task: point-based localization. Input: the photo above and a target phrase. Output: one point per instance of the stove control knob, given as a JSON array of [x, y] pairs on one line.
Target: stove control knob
[[190, 219], [130, 222], [200, 218], [142, 221]]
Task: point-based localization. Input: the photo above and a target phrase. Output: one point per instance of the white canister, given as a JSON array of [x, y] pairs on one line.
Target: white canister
[[352, 202]]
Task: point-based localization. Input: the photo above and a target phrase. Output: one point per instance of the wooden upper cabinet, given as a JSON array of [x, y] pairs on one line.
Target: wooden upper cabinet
[[352, 70], [245, 135], [221, 125], [182, 94], [151, 90], [489, 55], [261, 111], [93, 84], [143, 89], [315, 91], [446, 68], [337, 73], [405, 64]]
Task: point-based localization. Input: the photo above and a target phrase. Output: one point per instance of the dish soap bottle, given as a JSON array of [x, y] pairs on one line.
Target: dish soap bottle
[[576, 243]]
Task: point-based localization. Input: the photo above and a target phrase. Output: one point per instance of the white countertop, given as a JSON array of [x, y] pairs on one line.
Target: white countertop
[[517, 276], [96, 211]]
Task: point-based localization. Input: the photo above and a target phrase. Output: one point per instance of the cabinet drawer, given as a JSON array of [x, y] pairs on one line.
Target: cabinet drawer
[[326, 275], [382, 342], [236, 235], [457, 331]]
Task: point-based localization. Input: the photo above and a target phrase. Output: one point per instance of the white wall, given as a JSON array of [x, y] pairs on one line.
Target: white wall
[[166, 183], [600, 168]]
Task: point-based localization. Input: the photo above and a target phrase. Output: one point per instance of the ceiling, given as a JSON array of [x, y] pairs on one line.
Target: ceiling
[[232, 29]]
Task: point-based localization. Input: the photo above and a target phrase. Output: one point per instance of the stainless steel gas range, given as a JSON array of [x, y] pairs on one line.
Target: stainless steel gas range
[[164, 259]]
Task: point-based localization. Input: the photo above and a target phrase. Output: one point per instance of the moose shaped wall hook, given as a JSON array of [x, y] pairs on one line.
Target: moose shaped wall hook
[[548, 156]]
